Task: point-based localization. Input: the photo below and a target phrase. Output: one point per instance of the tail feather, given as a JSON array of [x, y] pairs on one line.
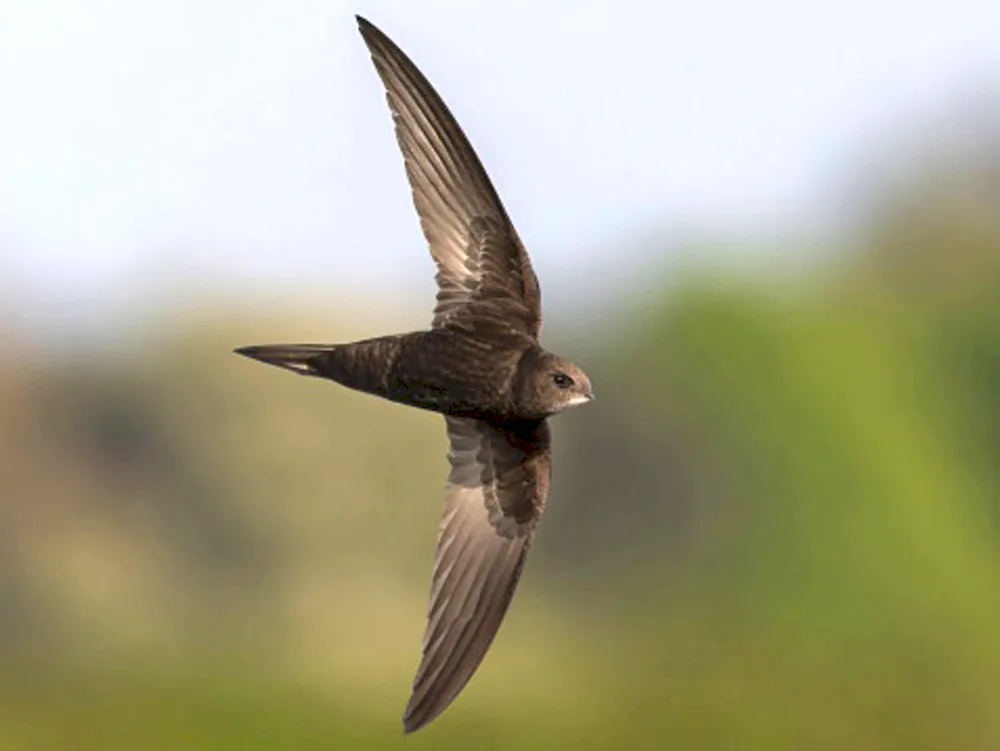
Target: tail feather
[[364, 366], [304, 359]]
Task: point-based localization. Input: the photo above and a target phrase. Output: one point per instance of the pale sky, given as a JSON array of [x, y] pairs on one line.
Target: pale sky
[[150, 144]]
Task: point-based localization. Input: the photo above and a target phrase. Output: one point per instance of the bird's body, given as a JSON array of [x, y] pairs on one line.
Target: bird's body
[[480, 365], [452, 372]]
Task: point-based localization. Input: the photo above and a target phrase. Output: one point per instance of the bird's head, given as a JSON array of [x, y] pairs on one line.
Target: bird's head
[[548, 384]]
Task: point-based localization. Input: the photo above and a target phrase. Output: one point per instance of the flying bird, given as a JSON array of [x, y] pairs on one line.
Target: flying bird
[[480, 365]]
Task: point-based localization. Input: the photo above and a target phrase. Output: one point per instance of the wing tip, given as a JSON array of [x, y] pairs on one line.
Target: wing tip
[[412, 724], [371, 33], [423, 711]]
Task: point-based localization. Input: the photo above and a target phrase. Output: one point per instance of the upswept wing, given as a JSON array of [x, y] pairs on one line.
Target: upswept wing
[[485, 278]]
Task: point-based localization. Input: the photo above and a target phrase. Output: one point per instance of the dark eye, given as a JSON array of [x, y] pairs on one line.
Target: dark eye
[[562, 380]]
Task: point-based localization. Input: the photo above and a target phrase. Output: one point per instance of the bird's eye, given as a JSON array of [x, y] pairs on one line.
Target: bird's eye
[[562, 380]]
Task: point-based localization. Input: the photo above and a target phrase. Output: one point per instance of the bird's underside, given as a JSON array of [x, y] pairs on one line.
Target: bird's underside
[[441, 370], [483, 338]]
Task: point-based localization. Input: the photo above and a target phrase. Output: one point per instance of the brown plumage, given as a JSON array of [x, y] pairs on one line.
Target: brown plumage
[[480, 365]]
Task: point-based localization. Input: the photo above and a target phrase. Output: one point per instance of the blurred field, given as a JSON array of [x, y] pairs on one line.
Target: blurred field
[[777, 528]]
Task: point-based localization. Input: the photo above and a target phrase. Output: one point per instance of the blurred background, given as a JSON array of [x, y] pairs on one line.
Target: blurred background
[[770, 232]]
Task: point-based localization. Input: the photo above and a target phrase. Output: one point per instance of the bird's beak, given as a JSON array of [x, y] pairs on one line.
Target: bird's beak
[[299, 358], [576, 401]]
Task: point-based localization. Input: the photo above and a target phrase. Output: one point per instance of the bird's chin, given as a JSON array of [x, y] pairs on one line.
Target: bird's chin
[[575, 401]]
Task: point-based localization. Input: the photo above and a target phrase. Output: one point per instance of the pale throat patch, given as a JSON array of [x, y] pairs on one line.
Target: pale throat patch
[[578, 400]]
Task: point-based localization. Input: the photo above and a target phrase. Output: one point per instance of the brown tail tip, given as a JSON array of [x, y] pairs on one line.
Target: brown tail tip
[[299, 358]]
